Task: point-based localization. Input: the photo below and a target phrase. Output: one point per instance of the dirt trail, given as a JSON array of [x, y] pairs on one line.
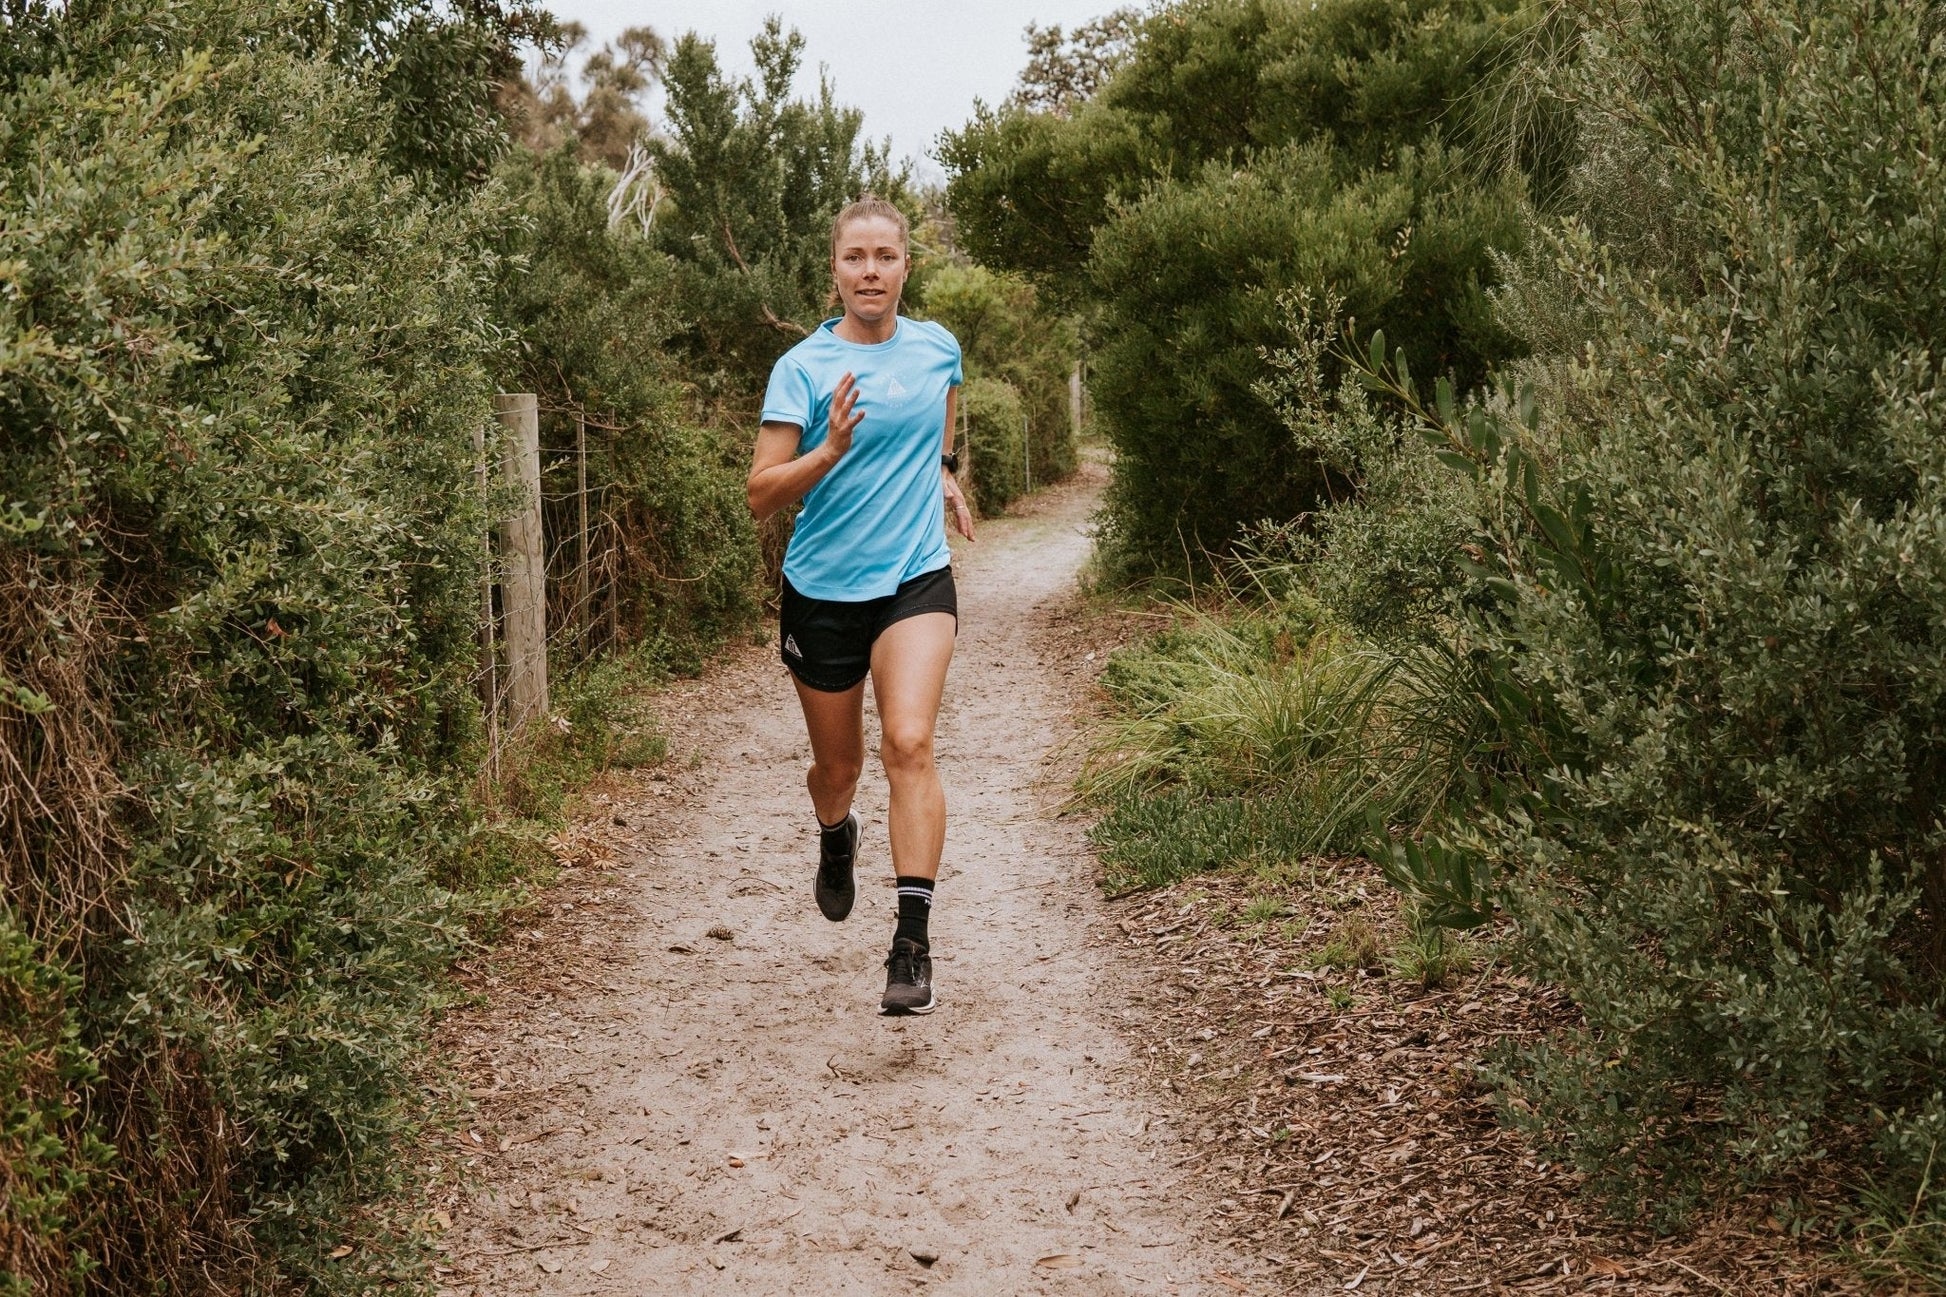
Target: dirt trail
[[688, 1088]]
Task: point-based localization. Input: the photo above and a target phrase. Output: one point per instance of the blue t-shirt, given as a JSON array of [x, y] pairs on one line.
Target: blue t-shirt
[[877, 519]]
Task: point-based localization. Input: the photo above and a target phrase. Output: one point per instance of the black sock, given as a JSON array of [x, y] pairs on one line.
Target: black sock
[[915, 907], [835, 839]]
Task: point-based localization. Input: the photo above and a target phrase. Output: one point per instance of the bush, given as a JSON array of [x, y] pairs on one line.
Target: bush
[[1713, 608], [241, 363], [589, 318], [1007, 334], [996, 460], [1243, 150]]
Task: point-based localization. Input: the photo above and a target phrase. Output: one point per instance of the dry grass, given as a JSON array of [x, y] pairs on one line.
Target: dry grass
[[158, 1211]]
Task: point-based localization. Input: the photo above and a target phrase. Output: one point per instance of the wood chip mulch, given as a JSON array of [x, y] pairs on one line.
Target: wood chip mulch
[[1339, 1117]]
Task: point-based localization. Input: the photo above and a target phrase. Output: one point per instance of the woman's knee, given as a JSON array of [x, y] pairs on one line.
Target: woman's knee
[[844, 769], [906, 748]]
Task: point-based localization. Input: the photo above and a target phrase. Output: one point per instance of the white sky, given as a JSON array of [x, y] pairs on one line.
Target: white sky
[[913, 66]]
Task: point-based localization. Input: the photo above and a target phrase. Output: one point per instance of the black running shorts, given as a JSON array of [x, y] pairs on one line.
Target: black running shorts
[[827, 643]]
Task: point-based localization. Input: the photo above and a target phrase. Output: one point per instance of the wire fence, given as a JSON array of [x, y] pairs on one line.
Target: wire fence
[[552, 589]]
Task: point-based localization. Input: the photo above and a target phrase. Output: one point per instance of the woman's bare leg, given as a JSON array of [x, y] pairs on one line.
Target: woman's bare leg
[[909, 663], [837, 726]]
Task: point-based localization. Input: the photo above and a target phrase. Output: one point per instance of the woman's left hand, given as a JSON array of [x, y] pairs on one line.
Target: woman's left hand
[[957, 506]]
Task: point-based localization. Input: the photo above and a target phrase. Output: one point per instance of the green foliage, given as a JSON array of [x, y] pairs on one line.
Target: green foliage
[[1009, 337], [1153, 839], [608, 122], [588, 310], [996, 462], [1066, 70], [1245, 149], [1386, 555], [437, 67], [1262, 736], [601, 722], [241, 362], [1706, 610], [753, 180], [47, 1158]]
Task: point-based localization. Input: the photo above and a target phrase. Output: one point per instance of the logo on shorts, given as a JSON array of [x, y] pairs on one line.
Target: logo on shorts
[[790, 646]]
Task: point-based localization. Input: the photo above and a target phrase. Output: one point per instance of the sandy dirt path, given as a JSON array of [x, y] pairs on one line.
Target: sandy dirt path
[[685, 1083]]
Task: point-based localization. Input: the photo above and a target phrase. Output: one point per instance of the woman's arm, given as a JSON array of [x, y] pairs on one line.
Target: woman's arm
[[779, 476], [955, 498]]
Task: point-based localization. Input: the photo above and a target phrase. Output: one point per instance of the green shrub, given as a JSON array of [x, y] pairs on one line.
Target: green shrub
[[1246, 149], [1387, 555], [590, 322], [996, 460], [242, 358], [1007, 333], [1712, 611]]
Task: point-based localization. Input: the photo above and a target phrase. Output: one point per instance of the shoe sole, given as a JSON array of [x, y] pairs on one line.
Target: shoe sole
[[907, 1010]]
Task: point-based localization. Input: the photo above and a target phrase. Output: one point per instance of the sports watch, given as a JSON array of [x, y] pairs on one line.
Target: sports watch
[[949, 460]]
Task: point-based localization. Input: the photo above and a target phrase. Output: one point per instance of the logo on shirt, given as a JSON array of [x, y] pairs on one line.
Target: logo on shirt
[[894, 388]]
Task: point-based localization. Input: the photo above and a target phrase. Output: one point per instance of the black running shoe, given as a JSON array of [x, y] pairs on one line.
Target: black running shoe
[[834, 887], [908, 978]]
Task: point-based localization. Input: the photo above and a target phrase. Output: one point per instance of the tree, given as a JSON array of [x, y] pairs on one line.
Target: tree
[[1064, 71], [753, 179], [608, 120]]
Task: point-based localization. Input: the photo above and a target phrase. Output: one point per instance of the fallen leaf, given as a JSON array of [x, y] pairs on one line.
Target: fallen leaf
[[1605, 1266], [1321, 1078], [736, 1161], [599, 1266], [1060, 1261], [341, 1251], [549, 1264], [1359, 1279], [1229, 1281], [442, 1218]]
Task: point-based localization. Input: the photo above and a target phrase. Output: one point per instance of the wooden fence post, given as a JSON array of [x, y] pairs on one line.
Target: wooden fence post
[[489, 654], [582, 621], [523, 589], [1074, 399]]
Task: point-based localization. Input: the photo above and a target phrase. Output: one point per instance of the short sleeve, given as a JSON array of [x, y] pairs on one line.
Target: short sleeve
[[959, 368], [789, 398]]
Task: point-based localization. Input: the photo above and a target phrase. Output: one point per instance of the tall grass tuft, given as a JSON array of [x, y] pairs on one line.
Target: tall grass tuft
[[1255, 733]]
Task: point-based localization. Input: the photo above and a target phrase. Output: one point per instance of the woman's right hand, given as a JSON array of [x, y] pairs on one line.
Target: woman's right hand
[[845, 416]]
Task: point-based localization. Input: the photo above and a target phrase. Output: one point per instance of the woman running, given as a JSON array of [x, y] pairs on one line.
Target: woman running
[[858, 423]]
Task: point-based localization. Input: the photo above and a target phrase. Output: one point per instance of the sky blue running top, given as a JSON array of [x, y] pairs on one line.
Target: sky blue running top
[[877, 519]]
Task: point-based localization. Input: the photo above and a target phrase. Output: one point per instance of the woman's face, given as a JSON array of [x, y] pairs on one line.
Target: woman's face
[[870, 266]]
